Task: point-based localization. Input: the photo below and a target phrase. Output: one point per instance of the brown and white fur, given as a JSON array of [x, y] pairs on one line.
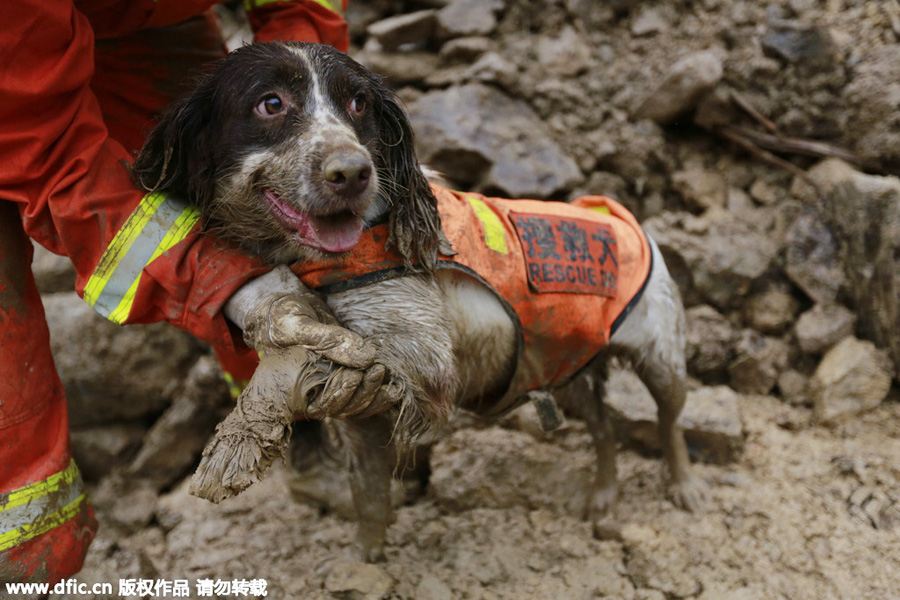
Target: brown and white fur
[[288, 149]]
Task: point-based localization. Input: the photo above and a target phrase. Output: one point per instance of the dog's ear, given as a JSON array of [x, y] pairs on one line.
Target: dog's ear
[[415, 225], [176, 147]]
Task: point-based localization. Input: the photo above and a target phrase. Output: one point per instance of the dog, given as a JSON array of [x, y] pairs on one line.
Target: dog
[[301, 156]]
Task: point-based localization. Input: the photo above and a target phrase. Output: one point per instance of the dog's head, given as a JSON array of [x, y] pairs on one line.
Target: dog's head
[[288, 149]]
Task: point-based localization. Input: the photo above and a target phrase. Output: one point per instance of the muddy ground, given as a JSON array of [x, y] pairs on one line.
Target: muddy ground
[[711, 120]]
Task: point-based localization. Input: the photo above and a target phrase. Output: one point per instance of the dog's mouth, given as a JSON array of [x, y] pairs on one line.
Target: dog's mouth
[[337, 232]]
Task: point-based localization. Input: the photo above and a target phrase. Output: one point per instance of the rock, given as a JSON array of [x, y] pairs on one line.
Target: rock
[[793, 42], [177, 438], [822, 326], [650, 21], [771, 311], [100, 449], [112, 373], [459, 134], [52, 272], [853, 377], [468, 17], [717, 255], [400, 68], [465, 50], [758, 362], [411, 28], [566, 55], [659, 560], [711, 419], [712, 423], [497, 468], [793, 385], [863, 212], [811, 259], [700, 187], [432, 588], [681, 90], [710, 341], [492, 68], [872, 96], [764, 192], [738, 201], [358, 581]]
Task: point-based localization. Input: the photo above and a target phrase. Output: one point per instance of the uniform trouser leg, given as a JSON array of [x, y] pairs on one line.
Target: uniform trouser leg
[[46, 521]]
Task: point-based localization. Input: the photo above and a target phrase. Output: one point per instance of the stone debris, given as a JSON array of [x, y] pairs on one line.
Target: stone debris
[[469, 470], [461, 18], [723, 276], [710, 341], [458, 134], [863, 213], [771, 311], [811, 258], [114, 373], [348, 580], [758, 361], [823, 326], [682, 89], [853, 377], [52, 273], [412, 28]]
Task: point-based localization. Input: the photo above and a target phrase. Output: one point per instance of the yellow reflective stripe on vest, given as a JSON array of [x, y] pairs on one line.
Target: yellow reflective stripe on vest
[[38, 507], [157, 224], [494, 236], [335, 6], [235, 386]]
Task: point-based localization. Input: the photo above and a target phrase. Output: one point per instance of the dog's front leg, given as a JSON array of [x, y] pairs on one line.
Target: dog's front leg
[[371, 458]]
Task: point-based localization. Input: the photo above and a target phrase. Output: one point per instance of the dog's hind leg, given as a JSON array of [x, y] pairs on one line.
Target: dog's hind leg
[[653, 337], [371, 457], [685, 489]]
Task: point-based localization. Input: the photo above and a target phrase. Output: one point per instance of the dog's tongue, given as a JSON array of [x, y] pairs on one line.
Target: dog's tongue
[[335, 233], [332, 233]]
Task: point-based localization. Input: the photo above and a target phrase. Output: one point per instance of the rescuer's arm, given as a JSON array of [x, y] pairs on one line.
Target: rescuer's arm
[[319, 21]]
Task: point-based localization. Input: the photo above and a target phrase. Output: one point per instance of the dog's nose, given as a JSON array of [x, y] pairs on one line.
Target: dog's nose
[[348, 173]]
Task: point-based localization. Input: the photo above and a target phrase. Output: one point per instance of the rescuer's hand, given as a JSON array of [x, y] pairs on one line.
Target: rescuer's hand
[[307, 359]]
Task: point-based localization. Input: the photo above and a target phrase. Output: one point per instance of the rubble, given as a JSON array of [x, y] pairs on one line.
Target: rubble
[[114, 373], [525, 164], [822, 326], [722, 277], [853, 377], [758, 362], [681, 90], [411, 28], [710, 341], [468, 471]]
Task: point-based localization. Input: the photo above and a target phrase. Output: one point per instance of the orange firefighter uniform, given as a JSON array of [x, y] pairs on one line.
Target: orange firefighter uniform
[[80, 83], [568, 274]]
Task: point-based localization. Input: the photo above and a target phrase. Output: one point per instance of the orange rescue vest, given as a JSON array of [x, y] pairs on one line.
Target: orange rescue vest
[[567, 273]]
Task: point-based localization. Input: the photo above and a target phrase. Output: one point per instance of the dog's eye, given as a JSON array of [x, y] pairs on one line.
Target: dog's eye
[[270, 106], [358, 104]]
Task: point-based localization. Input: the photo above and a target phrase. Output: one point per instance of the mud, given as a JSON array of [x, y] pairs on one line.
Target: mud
[[797, 509]]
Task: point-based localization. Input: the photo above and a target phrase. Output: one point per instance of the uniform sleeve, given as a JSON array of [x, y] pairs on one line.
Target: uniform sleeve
[[139, 258], [319, 21]]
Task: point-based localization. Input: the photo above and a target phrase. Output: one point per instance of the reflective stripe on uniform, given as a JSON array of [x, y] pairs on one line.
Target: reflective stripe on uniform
[[157, 224], [38, 507], [494, 236], [334, 6], [235, 386]]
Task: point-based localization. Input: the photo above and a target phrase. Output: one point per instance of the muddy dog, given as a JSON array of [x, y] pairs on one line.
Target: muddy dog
[[297, 153]]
